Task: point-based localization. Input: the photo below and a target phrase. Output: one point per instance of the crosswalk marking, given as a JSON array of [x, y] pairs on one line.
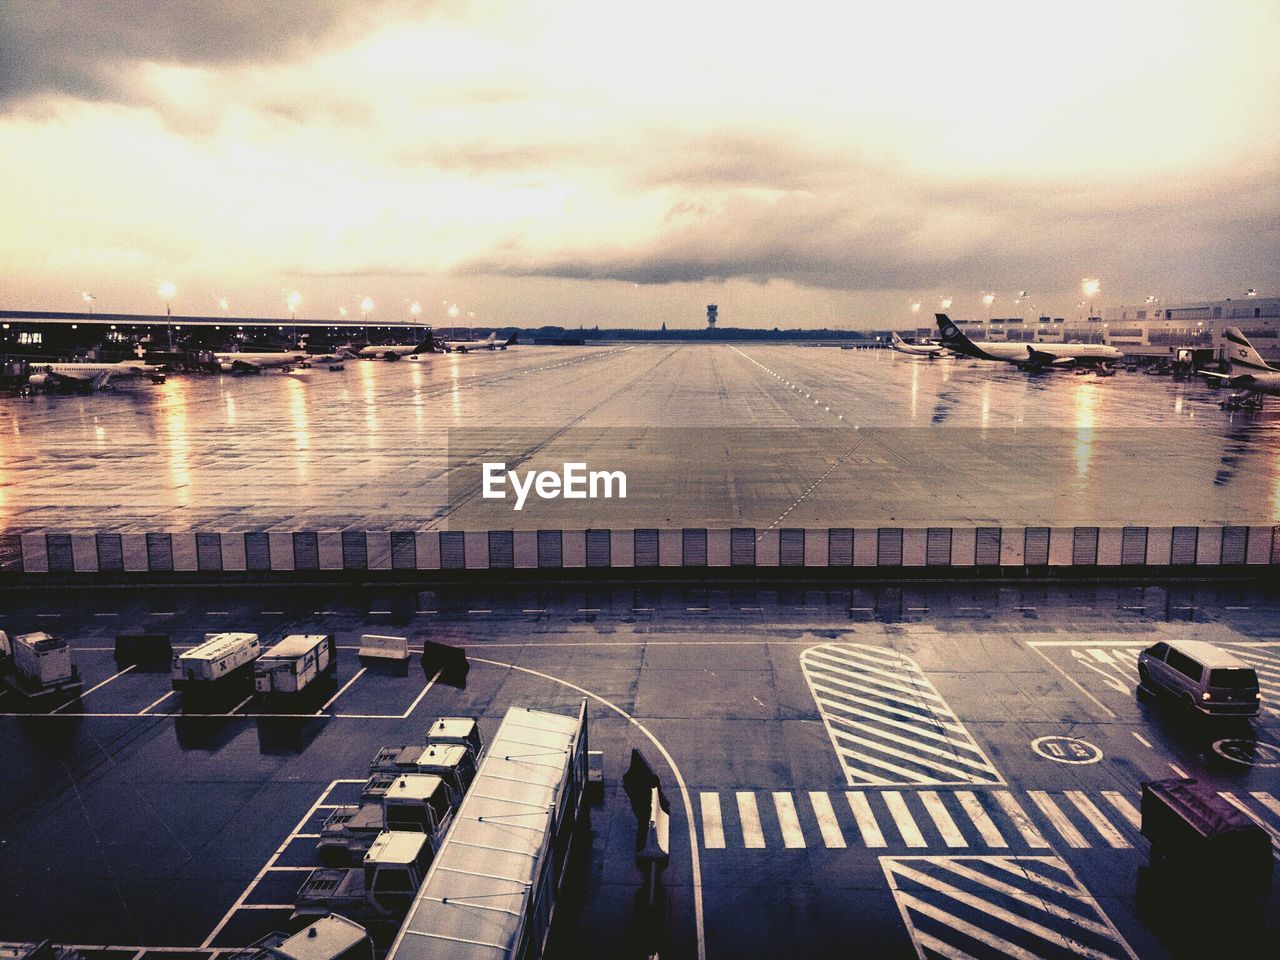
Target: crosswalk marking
[[887, 723], [712, 823], [749, 817], [866, 820], [1020, 820], [1099, 822], [953, 904], [1058, 819], [933, 805], [792, 835], [929, 818], [828, 825], [981, 820], [1125, 806], [902, 819]]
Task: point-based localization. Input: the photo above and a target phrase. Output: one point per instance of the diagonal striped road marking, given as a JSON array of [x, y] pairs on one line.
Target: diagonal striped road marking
[[888, 724], [1019, 907]]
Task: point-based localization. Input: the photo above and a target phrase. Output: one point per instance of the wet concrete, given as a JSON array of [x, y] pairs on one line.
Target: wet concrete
[[709, 435]]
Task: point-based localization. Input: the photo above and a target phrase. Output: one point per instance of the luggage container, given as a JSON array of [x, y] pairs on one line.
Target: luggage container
[[43, 667], [223, 660], [295, 663]]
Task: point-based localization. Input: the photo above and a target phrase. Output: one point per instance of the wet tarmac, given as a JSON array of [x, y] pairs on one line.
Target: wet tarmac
[[714, 436], [916, 770]]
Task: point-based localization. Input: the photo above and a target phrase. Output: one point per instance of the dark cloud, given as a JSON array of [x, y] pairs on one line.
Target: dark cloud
[[76, 47]]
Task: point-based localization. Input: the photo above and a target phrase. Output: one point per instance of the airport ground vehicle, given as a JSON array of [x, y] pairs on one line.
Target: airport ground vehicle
[[223, 660], [1200, 843], [379, 891], [1201, 676], [417, 803], [492, 890], [331, 937], [452, 762], [294, 663], [39, 666]]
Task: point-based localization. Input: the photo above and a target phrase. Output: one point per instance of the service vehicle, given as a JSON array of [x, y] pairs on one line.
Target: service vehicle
[[295, 663], [332, 937], [413, 802], [379, 892], [40, 666], [1201, 676], [460, 730], [222, 660]]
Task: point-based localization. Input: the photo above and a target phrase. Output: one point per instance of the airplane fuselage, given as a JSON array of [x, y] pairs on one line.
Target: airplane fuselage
[[1026, 353]]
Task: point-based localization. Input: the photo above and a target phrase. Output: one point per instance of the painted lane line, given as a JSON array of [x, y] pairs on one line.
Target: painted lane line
[[97, 686], [981, 820], [239, 705], [828, 825], [1267, 800], [749, 818], [937, 811], [1124, 806], [865, 819], [1178, 771], [903, 820], [417, 700], [1053, 813], [1099, 822], [785, 806], [1141, 739], [1018, 816], [354, 677], [147, 709], [712, 822]]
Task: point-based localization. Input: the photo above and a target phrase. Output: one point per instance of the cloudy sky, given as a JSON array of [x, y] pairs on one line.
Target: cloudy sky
[[594, 162]]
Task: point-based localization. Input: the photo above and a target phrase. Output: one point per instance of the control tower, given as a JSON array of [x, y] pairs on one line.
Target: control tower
[[711, 316]]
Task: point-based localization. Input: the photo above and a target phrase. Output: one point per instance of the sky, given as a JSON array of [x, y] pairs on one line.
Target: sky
[[595, 163]]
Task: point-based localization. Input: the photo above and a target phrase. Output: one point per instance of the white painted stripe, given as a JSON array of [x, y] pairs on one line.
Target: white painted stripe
[[1020, 820], [417, 700], [785, 805], [240, 704], [96, 686], [1020, 867], [902, 818], [981, 820], [1125, 807], [1001, 946], [831, 695], [946, 950], [712, 822], [918, 728], [1100, 655], [1022, 896], [1100, 823], [1178, 771], [1058, 819], [914, 742], [828, 825], [346, 686], [1141, 739], [865, 819], [749, 817], [157, 702], [957, 774], [937, 811], [1267, 800]]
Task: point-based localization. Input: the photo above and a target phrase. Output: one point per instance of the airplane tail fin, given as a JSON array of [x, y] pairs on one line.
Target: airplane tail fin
[[1241, 354], [428, 344], [953, 337], [513, 339], [893, 337]]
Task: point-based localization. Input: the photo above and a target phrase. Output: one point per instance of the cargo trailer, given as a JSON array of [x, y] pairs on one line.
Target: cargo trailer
[[223, 660], [295, 663], [41, 666]]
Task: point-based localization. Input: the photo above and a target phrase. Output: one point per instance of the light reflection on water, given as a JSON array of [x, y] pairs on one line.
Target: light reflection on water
[[175, 430]]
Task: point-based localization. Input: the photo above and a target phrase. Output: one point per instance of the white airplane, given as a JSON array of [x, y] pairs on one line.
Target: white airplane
[[921, 348], [489, 343], [93, 376], [1029, 356], [394, 351], [1250, 374], [254, 362]]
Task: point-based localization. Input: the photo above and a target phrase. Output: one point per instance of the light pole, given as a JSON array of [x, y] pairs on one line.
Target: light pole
[[88, 298], [225, 306], [1090, 286], [293, 301], [366, 308], [167, 289], [988, 299]]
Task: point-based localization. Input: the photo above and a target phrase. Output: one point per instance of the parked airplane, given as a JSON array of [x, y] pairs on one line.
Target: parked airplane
[[1029, 356], [394, 351], [255, 362], [922, 348], [1250, 374], [489, 343], [91, 376]]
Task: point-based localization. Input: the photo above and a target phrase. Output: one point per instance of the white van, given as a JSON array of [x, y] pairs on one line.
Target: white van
[[1201, 676]]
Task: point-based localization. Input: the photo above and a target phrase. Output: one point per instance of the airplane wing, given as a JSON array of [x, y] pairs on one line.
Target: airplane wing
[[1214, 374], [1039, 358]]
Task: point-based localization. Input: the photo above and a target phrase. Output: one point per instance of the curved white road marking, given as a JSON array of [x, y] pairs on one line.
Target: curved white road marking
[[695, 863]]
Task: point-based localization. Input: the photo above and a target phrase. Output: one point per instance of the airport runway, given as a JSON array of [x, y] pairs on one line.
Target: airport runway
[[709, 436], [952, 767]]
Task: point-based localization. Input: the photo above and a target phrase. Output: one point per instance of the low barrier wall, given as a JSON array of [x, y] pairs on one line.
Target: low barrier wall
[[450, 550]]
